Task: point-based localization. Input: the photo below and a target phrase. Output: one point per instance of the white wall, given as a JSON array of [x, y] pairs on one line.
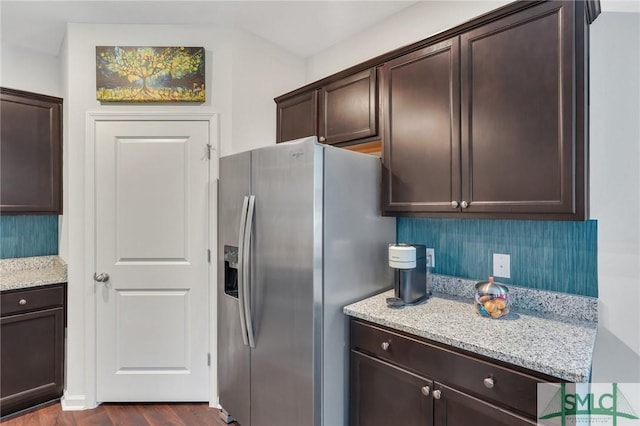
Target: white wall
[[261, 71], [615, 154], [410, 25], [229, 90], [615, 192], [24, 69]]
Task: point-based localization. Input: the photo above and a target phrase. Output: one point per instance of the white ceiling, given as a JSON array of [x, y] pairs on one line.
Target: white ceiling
[[302, 27]]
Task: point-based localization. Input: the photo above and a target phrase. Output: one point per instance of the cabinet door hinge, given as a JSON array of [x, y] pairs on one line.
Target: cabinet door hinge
[[209, 148], [209, 255]]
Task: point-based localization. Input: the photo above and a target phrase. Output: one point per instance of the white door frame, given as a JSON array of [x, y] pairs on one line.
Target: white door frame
[[92, 117]]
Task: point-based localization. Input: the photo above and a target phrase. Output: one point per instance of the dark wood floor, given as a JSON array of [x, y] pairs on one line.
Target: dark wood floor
[[121, 415]]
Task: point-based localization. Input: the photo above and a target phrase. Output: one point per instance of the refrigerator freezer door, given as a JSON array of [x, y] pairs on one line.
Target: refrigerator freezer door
[[286, 250], [233, 354]]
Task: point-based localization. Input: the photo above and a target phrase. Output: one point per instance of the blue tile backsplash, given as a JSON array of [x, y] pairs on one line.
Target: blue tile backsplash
[[26, 236], [557, 256]]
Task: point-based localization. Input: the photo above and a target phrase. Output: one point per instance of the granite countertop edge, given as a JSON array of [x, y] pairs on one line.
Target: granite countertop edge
[[431, 322], [28, 272]]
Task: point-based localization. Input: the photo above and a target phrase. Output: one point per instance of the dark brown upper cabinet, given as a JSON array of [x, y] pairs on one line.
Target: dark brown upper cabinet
[[297, 116], [30, 153], [491, 123], [421, 143], [348, 109], [521, 148], [342, 110]]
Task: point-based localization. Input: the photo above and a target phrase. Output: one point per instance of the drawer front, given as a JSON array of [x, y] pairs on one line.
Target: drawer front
[[386, 345], [31, 299], [506, 387]]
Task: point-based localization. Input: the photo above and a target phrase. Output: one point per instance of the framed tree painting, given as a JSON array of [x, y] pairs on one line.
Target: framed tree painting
[[150, 74]]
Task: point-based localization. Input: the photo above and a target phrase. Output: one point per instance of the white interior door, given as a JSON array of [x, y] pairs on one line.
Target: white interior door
[[152, 228]]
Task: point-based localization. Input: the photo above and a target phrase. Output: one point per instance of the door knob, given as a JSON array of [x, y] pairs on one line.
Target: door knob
[[436, 394], [385, 346], [488, 382], [454, 204], [464, 204], [101, 278], [322, 139], [425, 390]]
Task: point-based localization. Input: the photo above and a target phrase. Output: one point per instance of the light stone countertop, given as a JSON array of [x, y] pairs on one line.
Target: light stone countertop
[[29, 272], [556, 345]]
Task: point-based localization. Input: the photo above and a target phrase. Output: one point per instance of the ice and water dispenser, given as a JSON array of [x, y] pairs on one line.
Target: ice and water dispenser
[[231, 271]]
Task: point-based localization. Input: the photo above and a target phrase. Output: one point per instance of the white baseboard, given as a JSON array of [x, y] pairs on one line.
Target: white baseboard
[[214, 402], [75, 403]]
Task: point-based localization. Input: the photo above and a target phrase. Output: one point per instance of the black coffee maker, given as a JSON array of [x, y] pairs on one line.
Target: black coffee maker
[[409, 262]]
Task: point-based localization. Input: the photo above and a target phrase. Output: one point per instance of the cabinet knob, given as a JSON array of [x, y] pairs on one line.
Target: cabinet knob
[[464, 204], [385, 346], [488, 382], [425, 390], [437, 394], [23, 301], [322, 139], [101, 278], [454, 204]]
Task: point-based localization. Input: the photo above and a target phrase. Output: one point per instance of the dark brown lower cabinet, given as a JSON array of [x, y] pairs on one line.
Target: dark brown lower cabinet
[[32, 347], [455, 408], [401, 379], [383, 394]]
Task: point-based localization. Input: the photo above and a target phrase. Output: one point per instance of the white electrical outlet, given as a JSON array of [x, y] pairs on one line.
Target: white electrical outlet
[[501, 265], [431, 258]]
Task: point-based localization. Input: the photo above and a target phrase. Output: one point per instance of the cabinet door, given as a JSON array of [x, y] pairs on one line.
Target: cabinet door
[[31, 153], [32, 350], [348, 108], [421, 141], [454, 408], [382, 394], [297, 117], [518, 95]]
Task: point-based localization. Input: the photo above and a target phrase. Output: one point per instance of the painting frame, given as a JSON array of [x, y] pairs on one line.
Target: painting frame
[[150, 74]]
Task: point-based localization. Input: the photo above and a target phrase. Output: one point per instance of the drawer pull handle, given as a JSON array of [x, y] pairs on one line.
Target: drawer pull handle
[[488, 382], [385, 346], [437, 394], [23, 301], [425, 390]]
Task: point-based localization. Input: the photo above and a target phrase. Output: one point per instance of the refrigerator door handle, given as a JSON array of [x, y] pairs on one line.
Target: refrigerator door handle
[[246, 274], [241, 276]]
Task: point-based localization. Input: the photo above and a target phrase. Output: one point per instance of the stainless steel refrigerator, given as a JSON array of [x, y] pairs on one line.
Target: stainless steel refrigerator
[[300, 236]]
